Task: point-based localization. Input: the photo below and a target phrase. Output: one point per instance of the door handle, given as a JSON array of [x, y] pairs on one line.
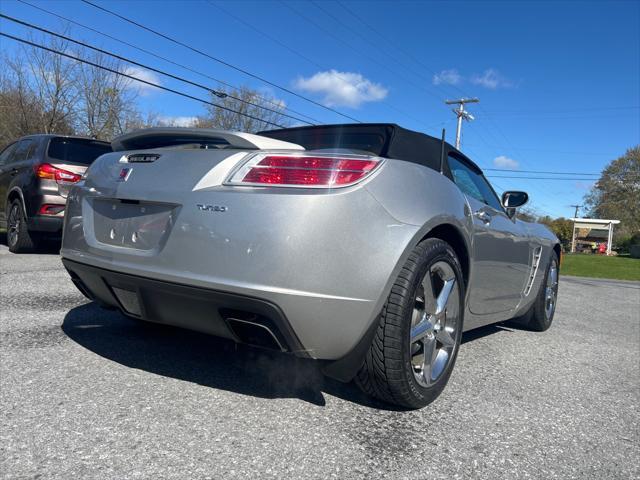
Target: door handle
[[14, 172], [484, 216]]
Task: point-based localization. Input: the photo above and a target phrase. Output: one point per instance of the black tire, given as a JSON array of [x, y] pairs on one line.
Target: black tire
[[19, 239], [538, 318], [387, 372]]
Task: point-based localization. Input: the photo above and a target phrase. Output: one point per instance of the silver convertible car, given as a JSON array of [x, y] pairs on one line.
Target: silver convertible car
[[368, 247]]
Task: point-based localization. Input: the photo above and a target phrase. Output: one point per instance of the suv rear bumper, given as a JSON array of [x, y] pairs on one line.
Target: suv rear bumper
[[41, 223], [240, 318]]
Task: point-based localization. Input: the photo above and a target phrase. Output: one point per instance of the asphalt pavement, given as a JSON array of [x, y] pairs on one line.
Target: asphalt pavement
[[88, 393]]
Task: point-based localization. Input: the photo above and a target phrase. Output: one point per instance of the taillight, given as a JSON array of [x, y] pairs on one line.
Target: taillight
[[304, 170], [49, 172], [49, 209]]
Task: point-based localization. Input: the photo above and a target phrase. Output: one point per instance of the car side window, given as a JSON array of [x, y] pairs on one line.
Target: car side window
[[23, 151], [473, 183], [6, 153]]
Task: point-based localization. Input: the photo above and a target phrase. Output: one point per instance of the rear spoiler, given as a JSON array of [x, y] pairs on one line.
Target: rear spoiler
[[168, 136]]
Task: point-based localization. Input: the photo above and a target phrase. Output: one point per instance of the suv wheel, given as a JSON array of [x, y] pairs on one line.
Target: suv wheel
[[418, 337], [19, 240]]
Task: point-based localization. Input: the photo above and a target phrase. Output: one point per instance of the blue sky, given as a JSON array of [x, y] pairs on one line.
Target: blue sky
[[559, 82]]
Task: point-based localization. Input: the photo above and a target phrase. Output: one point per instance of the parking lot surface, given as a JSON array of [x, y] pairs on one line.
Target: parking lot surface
[[88, 393]]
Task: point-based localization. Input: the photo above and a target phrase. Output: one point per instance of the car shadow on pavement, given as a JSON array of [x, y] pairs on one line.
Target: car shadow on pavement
[[211, 361], [203, 359], [48, 247], [487, 330]]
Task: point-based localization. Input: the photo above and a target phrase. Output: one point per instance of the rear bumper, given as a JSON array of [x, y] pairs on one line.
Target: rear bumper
[[241, 318], [237, 317], [49, 224]]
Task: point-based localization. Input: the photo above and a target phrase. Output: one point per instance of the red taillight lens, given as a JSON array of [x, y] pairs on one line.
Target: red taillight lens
[[49, 209], [304, 170], [49, 172]]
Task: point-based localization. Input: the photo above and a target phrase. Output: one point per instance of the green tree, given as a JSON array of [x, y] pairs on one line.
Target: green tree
[[616, 195], [561, 227]]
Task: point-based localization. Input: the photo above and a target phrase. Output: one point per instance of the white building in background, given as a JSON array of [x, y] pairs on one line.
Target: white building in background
[[598, 224]]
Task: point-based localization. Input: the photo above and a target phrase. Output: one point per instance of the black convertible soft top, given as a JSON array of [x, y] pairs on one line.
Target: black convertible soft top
[[383, 139]]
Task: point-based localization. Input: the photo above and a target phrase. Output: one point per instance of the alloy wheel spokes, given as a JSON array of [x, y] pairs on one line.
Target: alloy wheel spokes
[[14, 225], [429, 352], [443, 297], [445, 338], [434, 323], [423, 328], [428, 295]]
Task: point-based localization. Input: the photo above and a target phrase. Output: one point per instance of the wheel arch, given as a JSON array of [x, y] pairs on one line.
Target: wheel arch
[[445, 229], [16, 193], [558, 249], [454, 237]]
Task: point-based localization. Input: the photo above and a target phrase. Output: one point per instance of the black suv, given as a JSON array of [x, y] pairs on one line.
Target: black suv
[[35, 175]]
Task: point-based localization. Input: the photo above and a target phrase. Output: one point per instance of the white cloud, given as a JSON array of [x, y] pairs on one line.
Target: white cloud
[[168, 121], [505, 162], [491, 79], [447, 77], [342, 89], [142, 74]]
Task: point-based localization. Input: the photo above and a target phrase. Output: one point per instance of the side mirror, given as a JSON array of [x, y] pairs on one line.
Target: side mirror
[[512, 200]]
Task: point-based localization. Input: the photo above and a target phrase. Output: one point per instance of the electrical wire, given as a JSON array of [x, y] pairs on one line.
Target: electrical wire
[[153, 69], [302, 55], [543, 178], [132, 77], [165, 59], [218, 60], [537, 171], [347, 44]]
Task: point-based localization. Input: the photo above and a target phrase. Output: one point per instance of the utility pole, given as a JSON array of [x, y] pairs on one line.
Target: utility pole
[[575, 215], [462, 114], [573, 235]]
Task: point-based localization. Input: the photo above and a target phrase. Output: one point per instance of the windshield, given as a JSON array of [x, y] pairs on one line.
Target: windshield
[[77, 150]]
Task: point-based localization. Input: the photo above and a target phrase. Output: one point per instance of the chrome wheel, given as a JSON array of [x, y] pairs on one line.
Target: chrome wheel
[[13, 225], [551, 289], [434, 324]]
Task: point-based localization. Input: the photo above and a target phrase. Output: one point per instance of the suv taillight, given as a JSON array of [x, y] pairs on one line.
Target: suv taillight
[[304, 170], [49, 172]]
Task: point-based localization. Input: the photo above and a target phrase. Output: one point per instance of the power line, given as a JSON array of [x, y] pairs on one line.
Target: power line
[[564, 110], [347, 44], [390, 41], [338, 39], [153, 69], [165, 59], [417, 61], [538, 171], [429, 70], [534, 149], [337, 20], [301, 55], [562, 117], [542, 178], [102, 67], [218, 60]]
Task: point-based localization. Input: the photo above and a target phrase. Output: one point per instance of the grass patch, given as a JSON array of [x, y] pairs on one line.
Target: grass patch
[[601, 266]]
